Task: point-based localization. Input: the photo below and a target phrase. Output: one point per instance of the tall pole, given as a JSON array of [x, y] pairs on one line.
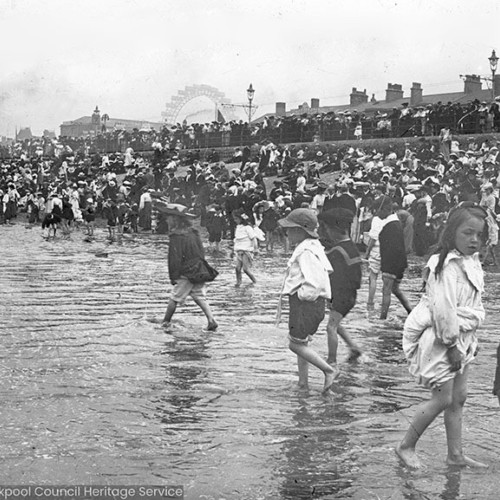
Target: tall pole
[[250, 94], [493, 65], [492, 84]]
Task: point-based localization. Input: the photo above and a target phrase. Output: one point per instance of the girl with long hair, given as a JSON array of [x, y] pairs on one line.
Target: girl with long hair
[[439, 337]]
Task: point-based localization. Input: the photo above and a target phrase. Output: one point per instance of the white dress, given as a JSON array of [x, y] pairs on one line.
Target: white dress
[[449, 313]]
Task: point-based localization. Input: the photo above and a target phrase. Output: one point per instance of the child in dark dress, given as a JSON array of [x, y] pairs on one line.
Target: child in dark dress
[[215, 223]]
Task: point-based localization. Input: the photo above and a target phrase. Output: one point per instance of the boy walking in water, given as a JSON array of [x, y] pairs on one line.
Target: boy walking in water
[[307, 285], [345, 279], [393, 260]]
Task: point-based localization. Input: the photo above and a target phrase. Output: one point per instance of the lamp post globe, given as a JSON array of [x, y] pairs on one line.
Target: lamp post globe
[[250, 94]]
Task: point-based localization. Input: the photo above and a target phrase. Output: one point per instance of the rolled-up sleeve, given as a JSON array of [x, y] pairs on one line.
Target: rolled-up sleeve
[[443, 306]]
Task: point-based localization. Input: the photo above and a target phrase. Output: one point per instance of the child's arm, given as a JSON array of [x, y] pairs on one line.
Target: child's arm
[[443, 304]]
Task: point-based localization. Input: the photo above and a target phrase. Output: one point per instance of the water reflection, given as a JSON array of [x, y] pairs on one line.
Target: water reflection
[[94, 392], [316, 450]]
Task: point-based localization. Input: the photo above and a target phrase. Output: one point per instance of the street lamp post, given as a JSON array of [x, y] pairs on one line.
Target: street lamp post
[[250, 107], [493, 66], [250, 94]]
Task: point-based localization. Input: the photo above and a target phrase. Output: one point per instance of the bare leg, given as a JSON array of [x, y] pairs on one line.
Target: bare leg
[[401, 297], [387, 286], [311, 356], [453, 422], [238, 274], [355, 350], [303, 366], [203, 304], [246, 266], [172, 306], [332, 337], [372, 288], [425, 415], [250, 275]]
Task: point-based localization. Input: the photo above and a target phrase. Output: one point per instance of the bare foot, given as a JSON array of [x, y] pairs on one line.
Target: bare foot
[[330, 379], [212, 326], [465, 461], [408, 457], [167, 326], [354, 355]]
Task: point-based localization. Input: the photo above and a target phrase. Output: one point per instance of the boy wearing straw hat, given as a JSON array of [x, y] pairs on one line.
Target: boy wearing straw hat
[[307, 285]]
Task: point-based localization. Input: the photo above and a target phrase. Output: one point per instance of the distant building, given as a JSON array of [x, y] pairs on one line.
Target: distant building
[[394, 98], [49, 134], [97, 124], [24, 133]]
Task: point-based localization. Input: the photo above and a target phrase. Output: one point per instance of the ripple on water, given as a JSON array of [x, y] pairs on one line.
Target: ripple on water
[[95, 391]]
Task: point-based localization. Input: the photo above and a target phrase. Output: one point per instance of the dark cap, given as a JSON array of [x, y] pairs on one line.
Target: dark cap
[[337, 217]]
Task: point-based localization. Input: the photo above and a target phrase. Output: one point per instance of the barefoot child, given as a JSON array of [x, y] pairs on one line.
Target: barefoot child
[[185, 247], [439, 337], [393, 261], [345, 279], [307, 284], [245, 244]]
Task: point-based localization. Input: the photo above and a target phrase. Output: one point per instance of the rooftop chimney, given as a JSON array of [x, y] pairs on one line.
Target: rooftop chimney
[[416, 94], [358, 97], [280, 108], [472, 84], [393, 92]]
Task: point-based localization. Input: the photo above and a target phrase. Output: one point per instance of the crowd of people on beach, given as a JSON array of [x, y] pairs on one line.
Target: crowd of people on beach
[[335, 206]]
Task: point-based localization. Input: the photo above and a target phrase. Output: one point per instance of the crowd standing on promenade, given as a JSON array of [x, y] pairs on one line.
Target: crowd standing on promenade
[[381, 205], [475, 117]]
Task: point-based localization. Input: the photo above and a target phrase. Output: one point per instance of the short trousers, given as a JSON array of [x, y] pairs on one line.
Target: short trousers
[[343, 301], [304, 318], [244, 258], [396, 277], [183, 288]]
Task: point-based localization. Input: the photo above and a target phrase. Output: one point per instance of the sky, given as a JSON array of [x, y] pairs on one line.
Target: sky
[[61, 58]]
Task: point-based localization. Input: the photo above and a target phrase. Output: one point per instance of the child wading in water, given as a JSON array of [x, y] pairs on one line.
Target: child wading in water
[[345, 279], [185, 248], [245, 244], [393, 260], [307, 284], [439, 338]]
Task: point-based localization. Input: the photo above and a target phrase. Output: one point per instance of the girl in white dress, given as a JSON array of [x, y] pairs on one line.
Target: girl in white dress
[[439, 338]]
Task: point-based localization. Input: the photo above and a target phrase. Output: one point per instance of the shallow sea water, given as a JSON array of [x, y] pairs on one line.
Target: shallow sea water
[[94, 392]]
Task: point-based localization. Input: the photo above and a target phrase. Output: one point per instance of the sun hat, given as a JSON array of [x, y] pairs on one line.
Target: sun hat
[[173, 209], [305, 218]]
